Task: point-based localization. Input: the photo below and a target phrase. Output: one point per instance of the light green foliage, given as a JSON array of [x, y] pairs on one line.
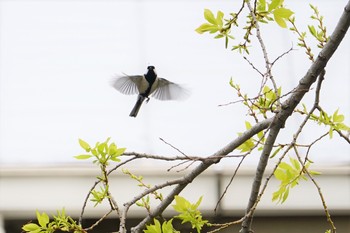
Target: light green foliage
[[289, 176], [319, 32], [189, 212], [166, 227], [275, 7], [250, 144], [215, 25], [60, 223], [335, 122], [267, 101], [145, 201], [265, 11], [103, 152], [99, 196]]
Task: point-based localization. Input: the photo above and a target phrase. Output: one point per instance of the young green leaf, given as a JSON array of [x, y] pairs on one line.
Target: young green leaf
[[84, 145], [205, 27], [219, 18], [209, 16], [43, 219], [281, 15], [83, 157], [153, 228], [312, 30], [31, 227], [274, 4]]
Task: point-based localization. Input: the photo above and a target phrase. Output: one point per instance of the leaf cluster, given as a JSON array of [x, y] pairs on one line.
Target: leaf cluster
[[289, 176], [188, 213], [264, 11], [215, 25], [266, 102], [318, 31], [60, 223], [145, 202], [103, 153], [334, 121], [252, 142]]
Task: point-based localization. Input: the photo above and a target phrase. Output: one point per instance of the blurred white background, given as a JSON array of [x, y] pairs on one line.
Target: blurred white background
[[57, 59]]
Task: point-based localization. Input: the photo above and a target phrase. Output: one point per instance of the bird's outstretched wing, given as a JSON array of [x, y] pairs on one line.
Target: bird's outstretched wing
[[167, 90], [127, 85]]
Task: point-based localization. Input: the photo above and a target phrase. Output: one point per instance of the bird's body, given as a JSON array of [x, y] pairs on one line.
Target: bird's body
[[146, 85]]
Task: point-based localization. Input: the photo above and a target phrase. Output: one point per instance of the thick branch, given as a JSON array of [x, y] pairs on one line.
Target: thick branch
[[187, 179], [290, 104]]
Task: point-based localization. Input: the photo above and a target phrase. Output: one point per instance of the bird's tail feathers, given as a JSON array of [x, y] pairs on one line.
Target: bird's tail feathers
[[137, 106]]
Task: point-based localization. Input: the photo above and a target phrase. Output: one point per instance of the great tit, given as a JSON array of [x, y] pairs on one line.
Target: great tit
[[146, 85]]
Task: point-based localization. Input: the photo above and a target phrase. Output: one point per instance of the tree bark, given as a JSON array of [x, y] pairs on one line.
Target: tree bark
[[290, 104]]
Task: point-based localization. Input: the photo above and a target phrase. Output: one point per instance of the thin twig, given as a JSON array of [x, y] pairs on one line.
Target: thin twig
[[253, 66], [325, 208], [95, 184], [98, 221], [177, 149], [282, 55]]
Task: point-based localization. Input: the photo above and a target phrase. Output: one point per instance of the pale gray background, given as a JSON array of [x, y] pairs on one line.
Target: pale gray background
[[57, 59]]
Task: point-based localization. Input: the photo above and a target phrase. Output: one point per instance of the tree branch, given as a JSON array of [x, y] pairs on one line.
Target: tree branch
[[187, 179], [290, 104]]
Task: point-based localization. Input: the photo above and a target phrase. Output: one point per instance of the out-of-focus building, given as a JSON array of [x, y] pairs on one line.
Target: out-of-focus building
[[47, 189]]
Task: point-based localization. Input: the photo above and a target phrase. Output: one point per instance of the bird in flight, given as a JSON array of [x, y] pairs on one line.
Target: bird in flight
[[148, 85]]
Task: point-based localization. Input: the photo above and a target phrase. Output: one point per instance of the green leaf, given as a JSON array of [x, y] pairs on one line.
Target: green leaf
[[276, 195], [84, 145], [261, 135], [283, 12], [330, 132], [274, 4], [285, 166], [181, 204], [205, 27], [285, 195], [198, 202], [248, 125], [312, 30], [209, 16], [101, 148], [219, 18], [315, 173], [247, 145], [43, 219], [295, 163], [154, 228], [276, 152], [112, 149], [120, 151], [281, 15], [31, 227], [167, 227], [280, 175], [83, 156], [261, 5], [337, 118], [218, 36]]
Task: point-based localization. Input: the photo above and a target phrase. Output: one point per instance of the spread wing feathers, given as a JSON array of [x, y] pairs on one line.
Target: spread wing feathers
[[127, 85], [167, 90]]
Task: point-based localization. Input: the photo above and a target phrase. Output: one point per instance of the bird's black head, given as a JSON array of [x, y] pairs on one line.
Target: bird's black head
[[150, 68]]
